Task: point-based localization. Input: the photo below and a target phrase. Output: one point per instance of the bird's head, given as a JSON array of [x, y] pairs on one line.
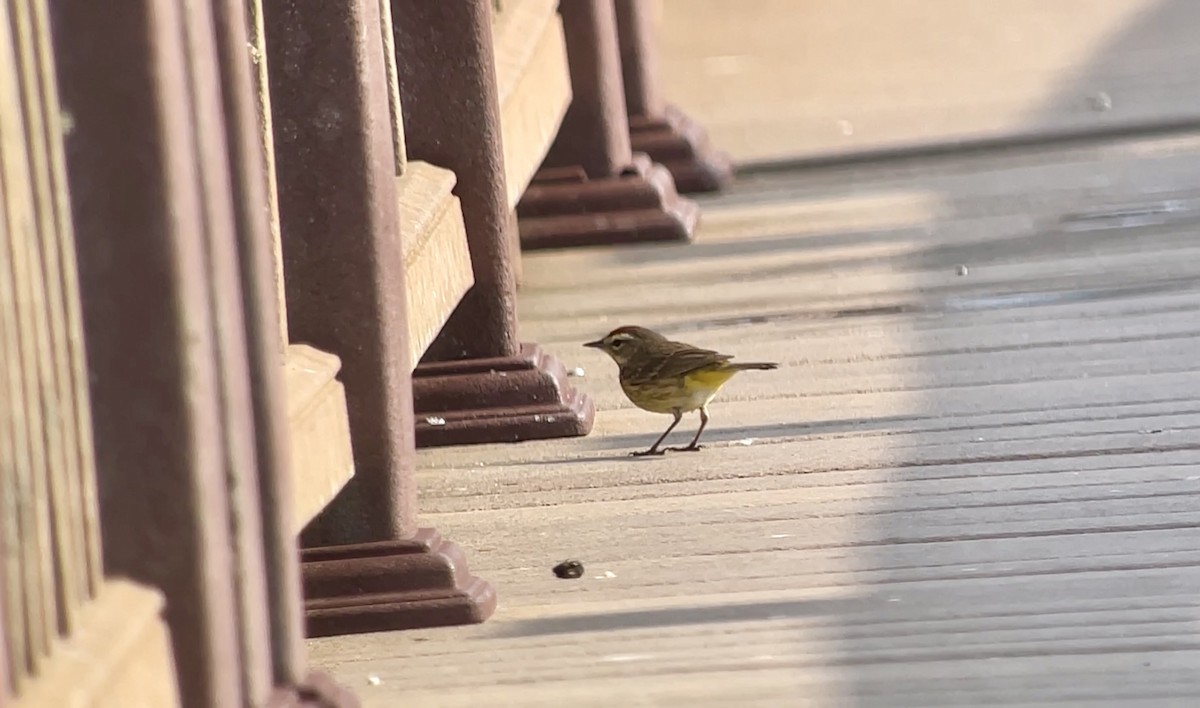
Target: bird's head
[[624, 343]]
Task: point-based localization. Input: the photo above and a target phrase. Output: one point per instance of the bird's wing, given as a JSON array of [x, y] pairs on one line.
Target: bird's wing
[[685, 359]]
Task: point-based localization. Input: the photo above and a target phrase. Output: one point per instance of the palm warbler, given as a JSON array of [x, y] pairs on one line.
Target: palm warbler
[[662, 376]]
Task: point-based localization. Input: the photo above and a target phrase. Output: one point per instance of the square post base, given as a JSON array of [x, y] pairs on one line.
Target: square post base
[[564, 208], [391, 585], [502, 399], [681, 145]]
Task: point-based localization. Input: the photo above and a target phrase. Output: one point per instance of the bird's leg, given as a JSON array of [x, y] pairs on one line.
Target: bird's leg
[[654, 448], [692, 446]]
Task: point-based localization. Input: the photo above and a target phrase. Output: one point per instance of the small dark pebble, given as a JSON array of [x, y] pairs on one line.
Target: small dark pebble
[[569, 570]]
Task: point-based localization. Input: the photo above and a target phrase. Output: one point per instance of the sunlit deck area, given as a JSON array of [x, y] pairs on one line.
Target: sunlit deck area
[[973, 481]]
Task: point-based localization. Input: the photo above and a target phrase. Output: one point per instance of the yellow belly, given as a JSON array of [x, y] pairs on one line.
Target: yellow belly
[[686, 393]]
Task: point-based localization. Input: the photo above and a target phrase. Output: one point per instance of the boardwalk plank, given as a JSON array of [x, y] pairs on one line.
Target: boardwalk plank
[[978, 489]]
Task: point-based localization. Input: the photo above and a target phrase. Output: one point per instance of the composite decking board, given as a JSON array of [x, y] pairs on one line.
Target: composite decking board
[[858, 434], [938, 499], [833, 328]]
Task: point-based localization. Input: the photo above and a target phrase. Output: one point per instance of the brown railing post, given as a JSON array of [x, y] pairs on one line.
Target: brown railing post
[[345, 280], [656, 127], [166, 176], [477, 382], [594, 135], [592, 188], [143, 229], [338, 214], [254, 212]]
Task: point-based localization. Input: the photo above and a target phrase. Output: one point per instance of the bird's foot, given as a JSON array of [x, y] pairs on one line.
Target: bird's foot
[[689, 448], [644, 453]]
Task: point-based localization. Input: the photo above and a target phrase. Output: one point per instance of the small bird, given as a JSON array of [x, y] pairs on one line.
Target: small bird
[[662, 376]]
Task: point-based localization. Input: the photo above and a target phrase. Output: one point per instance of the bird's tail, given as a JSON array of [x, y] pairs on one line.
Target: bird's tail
[[743, 366]]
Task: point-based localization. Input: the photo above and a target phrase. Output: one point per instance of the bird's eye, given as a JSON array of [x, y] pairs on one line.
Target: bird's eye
[[616, 343]]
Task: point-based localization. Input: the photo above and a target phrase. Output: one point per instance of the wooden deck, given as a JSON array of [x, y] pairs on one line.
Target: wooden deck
[[782, 79], [974, 481]]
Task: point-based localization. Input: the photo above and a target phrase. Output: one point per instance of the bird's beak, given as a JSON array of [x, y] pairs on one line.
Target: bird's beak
[[598, 344]]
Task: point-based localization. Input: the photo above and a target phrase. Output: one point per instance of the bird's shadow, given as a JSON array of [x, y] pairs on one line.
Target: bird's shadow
[[629, 443]]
